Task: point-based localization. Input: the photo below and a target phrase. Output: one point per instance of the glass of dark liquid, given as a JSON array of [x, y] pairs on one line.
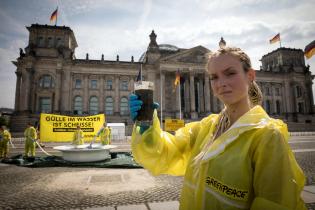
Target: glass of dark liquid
[[144, 90]]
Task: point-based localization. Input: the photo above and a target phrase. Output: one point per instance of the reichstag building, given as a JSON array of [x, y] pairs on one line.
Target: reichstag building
[[50, 79]]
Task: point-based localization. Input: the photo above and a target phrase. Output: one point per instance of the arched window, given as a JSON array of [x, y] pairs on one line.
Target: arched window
[[268, 106], [93, 105], [78, 105], [123, 106], [46, 81], [278, 107], [109, 105]]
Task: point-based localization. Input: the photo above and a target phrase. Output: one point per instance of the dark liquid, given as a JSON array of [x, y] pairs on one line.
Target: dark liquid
[[146, 111]]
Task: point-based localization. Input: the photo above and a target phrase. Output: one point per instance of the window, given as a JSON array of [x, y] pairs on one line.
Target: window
[[109, 106], [50, 42], [268, 92], [45, 105], [78, 83], [124, 106], [40, 42], [298, 91], [93, 84], [277, 91], [93, 105], [46, 81], [268, 107], [300, 107], [278, 107], [78, 105], [109, 84], [124, 85], [59, 42]]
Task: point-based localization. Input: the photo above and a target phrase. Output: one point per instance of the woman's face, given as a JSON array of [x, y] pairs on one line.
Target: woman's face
[[229, 81]]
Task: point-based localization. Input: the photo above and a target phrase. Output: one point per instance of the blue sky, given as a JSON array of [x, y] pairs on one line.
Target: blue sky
[[112, 27]]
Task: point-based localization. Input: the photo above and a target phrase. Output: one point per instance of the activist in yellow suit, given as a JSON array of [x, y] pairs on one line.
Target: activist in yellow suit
[[238, 159], [78, 136], [30, 138], [5, 137], [104, 134]]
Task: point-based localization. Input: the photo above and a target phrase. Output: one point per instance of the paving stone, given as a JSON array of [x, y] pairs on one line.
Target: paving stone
[[310, 189], [170, 205], [101, 208], [308, 197], [132, 207]]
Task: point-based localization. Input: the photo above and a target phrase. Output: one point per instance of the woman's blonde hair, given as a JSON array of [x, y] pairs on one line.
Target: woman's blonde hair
[[254, 92], [255, 97]]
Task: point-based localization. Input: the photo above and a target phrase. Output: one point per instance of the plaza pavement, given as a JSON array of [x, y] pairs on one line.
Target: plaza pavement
[[112, 189]]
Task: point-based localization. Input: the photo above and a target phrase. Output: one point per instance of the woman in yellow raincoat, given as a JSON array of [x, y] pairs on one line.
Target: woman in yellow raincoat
[[237, 159], [104, 134], [5, 137], [78, 136]]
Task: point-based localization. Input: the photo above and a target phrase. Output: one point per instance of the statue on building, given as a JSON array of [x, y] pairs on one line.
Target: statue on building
[[22, 54]]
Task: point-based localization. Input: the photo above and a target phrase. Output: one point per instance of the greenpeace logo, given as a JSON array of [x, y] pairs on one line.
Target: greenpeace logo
[[226, 190]]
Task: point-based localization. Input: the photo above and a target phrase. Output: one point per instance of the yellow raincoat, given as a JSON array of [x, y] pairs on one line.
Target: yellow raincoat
[[30, 137], [250, 166], [78, 137], [5, 137], [105, 136]]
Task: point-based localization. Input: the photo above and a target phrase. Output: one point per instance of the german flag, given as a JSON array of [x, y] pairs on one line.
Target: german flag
[[53, 16], [309, 50], [275, 39], [177, 80]]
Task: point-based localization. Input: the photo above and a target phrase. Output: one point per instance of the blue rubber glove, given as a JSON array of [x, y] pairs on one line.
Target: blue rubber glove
[[134, 106]]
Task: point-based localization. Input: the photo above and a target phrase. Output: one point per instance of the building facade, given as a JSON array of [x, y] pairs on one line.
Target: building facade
[[50, 79]]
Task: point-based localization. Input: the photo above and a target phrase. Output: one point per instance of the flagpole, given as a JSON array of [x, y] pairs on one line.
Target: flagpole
[[180, 104]]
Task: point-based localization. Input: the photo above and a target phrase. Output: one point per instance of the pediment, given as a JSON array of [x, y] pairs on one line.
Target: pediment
[[192, 55]]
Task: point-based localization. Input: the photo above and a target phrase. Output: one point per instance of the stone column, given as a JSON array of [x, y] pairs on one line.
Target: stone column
[[65, 91], [58, 83], [85, 93], [201, 95], [117, 104], [310, 97], [207, 93], [17, 91], [192, 97], [163, 88], [102, 98], [186, 92], [273, 94], [27, 87], [287, 97]]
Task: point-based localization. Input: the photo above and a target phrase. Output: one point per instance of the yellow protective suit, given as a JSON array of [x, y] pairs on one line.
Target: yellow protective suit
[[250, 166], [5, 137], [105, 136], [78, 137], [30, 137]]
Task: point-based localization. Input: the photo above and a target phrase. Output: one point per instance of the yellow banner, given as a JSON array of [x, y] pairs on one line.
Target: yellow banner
[[173, 124], [60, 128]]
